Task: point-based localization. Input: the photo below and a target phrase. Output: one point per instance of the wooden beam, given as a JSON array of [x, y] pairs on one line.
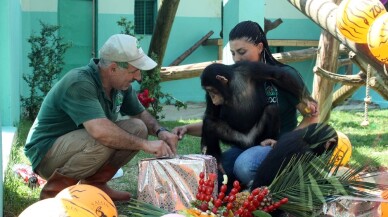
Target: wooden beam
[[292, 43], [171, 73], [189, 51], [217, 42], [184, 71], [213, 41], [272, 42]]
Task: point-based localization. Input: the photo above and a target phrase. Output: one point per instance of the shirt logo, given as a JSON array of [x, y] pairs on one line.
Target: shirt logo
[[271, 92], [118, 101]]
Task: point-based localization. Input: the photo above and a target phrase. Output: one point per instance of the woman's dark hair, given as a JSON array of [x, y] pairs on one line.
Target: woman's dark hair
[[309, 140], [252, 32]]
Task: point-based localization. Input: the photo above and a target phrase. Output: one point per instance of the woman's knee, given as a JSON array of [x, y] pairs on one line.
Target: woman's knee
[[247, 163]]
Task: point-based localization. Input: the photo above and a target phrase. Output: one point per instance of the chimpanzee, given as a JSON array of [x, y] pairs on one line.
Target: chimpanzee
[[241, 104]]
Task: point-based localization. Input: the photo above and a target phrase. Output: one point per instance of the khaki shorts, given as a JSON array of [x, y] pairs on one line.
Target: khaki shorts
[[78, 155]]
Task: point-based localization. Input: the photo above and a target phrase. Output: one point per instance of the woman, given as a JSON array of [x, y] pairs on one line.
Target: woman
[[248, 43]]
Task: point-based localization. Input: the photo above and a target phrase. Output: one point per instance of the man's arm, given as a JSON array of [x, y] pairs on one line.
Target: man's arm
[[109, 134], [153, 126]]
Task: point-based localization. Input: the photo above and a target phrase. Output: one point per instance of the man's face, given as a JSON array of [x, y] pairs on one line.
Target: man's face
[[124, 77]]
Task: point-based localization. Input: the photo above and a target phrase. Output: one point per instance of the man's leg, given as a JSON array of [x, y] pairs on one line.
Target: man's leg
[[76, 156], [118, 159]]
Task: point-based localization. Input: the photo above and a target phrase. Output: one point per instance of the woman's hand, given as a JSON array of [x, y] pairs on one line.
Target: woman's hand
[[268, 142]]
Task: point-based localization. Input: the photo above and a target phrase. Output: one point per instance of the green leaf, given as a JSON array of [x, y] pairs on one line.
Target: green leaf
[[260, 213]]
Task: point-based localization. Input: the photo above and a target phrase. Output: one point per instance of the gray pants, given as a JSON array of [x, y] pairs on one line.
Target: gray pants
[[78, 155]]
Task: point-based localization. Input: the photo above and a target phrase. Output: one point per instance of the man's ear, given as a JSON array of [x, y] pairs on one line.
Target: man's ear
[[222, 79], [113, 66]]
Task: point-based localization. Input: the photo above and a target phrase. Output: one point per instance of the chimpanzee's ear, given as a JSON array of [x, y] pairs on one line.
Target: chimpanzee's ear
[[222, 79]]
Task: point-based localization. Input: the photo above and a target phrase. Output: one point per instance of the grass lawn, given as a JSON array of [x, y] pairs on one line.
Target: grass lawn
[[370, 146]]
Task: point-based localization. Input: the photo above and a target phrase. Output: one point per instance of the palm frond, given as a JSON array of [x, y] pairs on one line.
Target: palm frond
[[142, 209], [309, 182]]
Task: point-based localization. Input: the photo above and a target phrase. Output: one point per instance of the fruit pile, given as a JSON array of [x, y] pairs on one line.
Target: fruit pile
[[145, 99], [236, 203]]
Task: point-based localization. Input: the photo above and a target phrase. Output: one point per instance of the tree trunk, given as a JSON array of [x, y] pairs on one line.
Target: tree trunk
[[162, 29], [327, 59]]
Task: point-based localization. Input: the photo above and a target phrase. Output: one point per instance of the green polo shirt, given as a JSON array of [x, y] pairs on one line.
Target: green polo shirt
[[288, 103], [76, 98]]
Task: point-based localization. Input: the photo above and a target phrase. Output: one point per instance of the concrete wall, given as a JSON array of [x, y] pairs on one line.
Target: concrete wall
[[193, 20]]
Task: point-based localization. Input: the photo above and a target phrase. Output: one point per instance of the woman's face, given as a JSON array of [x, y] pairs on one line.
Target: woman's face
[[243, 50]]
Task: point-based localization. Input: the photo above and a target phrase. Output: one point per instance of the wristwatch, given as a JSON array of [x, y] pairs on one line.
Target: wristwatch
[[160, 130]]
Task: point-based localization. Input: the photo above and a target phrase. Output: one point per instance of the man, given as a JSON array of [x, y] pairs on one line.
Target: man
[[76, 136]]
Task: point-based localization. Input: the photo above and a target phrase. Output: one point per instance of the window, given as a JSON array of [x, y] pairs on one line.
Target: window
[[145, 15]]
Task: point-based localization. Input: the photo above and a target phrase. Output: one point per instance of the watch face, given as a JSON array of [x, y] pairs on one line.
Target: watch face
[[160, 130]]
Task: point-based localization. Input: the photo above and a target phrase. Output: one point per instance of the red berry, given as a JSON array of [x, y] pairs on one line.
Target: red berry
[[255, 203], [229, 206], [221, 195], [201, 175], [251, 208], [233, 191], [210, 183], [204, 206], [218, 203], [209, 190], [232, 198], [240, 211], [284, 200], [236, 184], [214, 210], [246, 204], [256, 191], [260, 197], [223, 188]]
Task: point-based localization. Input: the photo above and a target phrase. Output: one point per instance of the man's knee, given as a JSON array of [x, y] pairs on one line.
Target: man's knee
[[134, 126]]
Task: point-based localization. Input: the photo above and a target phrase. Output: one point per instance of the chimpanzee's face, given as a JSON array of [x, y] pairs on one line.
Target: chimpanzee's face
[[215, 95]]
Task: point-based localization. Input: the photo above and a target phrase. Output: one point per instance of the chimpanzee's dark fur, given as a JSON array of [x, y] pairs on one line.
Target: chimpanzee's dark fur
[[246, 117]]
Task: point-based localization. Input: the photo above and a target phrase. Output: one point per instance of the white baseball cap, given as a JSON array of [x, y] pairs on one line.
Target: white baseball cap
[[126, 48]]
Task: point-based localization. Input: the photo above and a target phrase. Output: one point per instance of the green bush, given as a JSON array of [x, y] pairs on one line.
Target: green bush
[[46, 60]]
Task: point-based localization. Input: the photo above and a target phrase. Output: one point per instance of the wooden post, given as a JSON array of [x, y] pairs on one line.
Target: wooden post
[[327, 59]]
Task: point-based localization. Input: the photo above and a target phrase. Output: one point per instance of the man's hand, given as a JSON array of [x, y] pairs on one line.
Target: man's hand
[[171, 140], [158, 148]]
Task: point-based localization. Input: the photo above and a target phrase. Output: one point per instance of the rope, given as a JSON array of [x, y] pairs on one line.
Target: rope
[[367, 98]]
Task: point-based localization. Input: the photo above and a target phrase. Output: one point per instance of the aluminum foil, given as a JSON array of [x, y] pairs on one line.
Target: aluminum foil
[[172, 183]]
